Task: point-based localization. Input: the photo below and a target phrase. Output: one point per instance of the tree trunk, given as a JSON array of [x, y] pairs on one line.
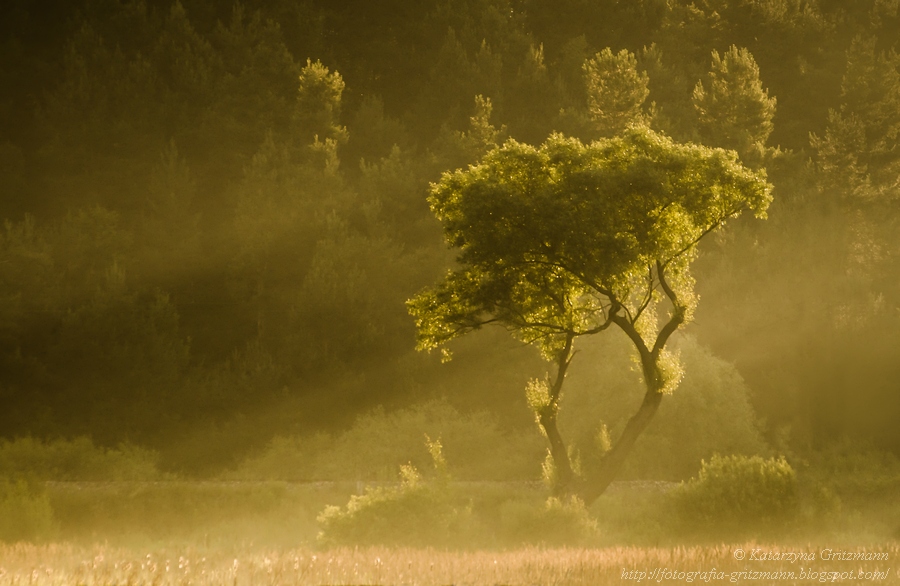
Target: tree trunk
[[597, 482], [558, 451], [547, 417]]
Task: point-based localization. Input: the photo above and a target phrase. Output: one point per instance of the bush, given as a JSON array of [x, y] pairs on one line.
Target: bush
[[439, 514], [77, 459], [436, 513], [25, 513], [740, 490], [414, 513]]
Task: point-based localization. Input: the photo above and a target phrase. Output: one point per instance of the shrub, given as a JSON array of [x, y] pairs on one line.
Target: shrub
[[77, 459], [414, 513], [438, 513], [740, 490], [25, 513]]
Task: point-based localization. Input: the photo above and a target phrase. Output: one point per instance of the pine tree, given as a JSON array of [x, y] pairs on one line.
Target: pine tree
[[860, 151], [733, 109], [531, 103], [319, 104], [616, 91]]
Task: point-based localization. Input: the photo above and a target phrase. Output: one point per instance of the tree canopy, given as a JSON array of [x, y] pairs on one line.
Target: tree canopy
[[555, 239]]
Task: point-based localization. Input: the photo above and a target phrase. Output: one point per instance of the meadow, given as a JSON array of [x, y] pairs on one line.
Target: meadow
[[46, 565], [75, 514], [255, 533]]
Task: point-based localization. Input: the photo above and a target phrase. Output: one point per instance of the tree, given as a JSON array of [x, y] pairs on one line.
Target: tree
[[733, 109], [616, 91], [319, 104], [532, 103], [566, 240], [858, 155]]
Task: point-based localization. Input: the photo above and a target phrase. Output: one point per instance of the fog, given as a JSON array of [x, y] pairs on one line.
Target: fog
[[215, 214]]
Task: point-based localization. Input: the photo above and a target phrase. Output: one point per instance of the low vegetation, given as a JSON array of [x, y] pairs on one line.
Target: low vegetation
[[76, 460], [100, 565], [378, 442], [740, 495], [76, 491], [428, 528], [437, 512], [25, 512]]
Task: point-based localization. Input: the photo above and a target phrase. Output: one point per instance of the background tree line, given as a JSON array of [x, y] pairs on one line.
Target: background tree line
[[214, 211]]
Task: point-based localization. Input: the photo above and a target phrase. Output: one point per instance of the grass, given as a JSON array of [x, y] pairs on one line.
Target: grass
[[55, 564], [275, 514], [280, 514], [265, 532], [243, 534]]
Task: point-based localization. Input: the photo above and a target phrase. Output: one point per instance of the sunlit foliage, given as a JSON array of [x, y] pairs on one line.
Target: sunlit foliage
[[740, 491], [554, 239], [564, 240]]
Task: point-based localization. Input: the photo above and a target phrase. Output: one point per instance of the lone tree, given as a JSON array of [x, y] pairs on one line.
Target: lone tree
[[567, 240]]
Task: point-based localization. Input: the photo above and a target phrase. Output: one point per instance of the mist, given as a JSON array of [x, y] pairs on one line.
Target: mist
[[216, 213]]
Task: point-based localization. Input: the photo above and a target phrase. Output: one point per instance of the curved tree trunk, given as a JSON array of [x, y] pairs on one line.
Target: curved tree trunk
[[558, 451], [597, 481], [547, 418]]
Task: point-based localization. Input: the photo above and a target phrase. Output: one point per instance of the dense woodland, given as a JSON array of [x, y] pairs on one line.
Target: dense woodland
[[215, 211]]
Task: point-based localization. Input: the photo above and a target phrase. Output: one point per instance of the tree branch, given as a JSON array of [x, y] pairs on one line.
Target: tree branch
[[562, 361], [694, 242], [678, 312], [629, 329], [649, 297]]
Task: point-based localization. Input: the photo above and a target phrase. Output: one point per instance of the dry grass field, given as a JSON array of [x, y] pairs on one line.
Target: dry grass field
[[52, 564]]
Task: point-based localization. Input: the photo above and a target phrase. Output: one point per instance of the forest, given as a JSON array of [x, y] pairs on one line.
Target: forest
[[215, 214]]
